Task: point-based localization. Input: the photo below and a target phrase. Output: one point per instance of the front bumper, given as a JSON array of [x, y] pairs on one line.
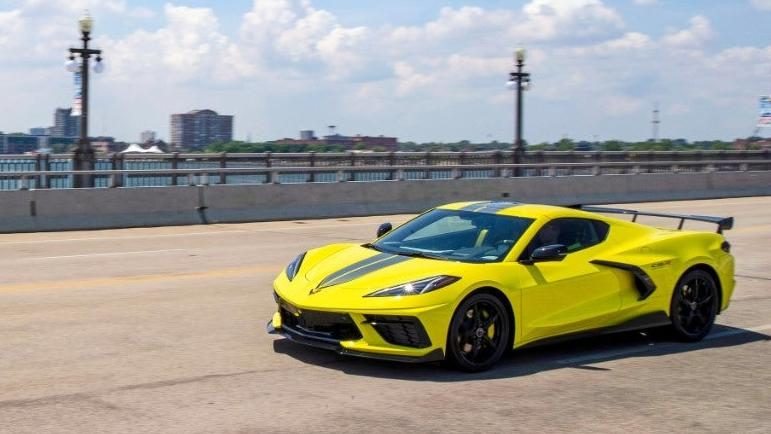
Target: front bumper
[[407, 335], [300, 337]]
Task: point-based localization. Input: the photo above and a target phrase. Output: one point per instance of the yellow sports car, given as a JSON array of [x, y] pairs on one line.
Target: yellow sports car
[[465, 282]]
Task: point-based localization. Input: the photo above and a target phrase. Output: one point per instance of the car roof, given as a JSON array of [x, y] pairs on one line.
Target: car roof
[[518, 209], [506, 208]]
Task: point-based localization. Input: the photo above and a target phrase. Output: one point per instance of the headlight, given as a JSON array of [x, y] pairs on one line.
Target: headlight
[[417, 287], [294, 267]]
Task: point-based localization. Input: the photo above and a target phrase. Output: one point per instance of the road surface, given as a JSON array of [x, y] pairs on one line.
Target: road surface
[[163, 330]]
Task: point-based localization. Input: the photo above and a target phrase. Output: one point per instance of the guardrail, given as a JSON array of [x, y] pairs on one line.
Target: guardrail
[[110, 178], [311, 159]]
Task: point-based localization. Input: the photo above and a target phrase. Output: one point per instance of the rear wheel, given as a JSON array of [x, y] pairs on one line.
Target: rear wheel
[[694, 306], [479, 333]]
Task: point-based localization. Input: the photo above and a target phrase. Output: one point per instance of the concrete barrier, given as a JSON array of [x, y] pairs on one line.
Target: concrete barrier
[[45, 210], [69, 209]]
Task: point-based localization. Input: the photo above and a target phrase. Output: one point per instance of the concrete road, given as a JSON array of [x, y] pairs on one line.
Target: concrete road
[[162, 330]]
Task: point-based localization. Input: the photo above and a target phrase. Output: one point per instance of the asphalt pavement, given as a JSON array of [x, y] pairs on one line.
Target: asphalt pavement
[[162, 330]]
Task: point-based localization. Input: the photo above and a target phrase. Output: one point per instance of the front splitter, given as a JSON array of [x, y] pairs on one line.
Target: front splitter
[[333, 345]]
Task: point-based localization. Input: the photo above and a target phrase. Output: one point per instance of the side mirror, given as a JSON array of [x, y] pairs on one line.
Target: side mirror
[[384, 229], [554, 252]]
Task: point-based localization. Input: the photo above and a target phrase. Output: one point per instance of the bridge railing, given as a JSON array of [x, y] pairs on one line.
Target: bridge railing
[[108, 178], [354, 158]]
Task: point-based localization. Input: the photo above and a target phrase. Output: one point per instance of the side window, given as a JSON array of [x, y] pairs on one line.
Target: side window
[[573, 233]]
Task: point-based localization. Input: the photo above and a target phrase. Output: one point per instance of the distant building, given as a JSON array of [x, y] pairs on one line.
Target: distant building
[[65, 125], [758, 143], [358, 142], [18, 143], [379, 143], [147, 136], [39, 131], [105, 144], [200, 128]]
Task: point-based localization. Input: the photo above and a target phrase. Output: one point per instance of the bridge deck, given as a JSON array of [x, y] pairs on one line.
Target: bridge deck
[[162, 330]]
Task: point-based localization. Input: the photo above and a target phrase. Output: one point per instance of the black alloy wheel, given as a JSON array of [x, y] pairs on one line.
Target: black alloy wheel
[[479, 333], [694, 306]]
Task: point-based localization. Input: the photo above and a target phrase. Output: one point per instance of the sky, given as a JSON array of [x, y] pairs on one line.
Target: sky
[[419, 70]]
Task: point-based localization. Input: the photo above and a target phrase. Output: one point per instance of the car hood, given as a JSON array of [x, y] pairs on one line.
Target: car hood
[[355, 271]]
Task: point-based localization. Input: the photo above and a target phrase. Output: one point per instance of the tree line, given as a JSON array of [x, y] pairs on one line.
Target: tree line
[[565, 144]]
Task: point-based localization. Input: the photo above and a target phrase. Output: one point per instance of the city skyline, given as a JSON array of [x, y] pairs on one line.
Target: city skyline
[[428, 72]]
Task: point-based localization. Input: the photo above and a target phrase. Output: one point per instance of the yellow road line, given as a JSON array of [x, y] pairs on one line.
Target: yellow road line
[[142, 278]]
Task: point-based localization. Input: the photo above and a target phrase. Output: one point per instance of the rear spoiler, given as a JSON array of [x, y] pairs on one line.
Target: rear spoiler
[[723, 223]]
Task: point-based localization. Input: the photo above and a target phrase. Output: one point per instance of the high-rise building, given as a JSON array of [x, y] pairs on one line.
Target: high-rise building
[[147, 136], [18, 143], [200, 128], [65, 125]]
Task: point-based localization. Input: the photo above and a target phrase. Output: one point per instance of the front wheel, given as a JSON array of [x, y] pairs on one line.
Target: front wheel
[[694, 306], [479, 333]]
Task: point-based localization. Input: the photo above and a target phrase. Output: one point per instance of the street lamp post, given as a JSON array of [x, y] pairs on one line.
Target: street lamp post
[[84, 158], [518, 81]]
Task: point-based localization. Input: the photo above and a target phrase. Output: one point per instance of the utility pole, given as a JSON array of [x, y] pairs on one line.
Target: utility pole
[[655, 121]]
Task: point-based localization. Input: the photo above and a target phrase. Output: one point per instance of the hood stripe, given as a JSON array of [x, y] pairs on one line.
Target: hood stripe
[[361, 268]]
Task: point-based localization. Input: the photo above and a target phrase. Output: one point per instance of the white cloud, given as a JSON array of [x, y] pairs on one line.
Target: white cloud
[[75, 6], [11, 24], [630, 41], [551, 19], [141, 13], [763, 5], [619, 105], [294, 35], [190, 46], [293, 65], [697, 34]]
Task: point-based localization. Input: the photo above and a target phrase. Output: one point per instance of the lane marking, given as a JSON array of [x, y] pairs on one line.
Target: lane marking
[[130, 237], [227, 231], [744, 229], [745, 276], [89, 255], [704, 203], [637, 350], [141, 278]]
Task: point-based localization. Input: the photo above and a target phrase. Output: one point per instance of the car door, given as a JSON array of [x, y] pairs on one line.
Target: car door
[[572, 295]]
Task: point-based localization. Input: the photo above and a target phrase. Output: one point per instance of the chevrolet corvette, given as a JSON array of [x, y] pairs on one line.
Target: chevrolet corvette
[[465, 282]]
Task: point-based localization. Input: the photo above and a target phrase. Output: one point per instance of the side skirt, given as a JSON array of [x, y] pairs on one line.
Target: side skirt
[[650, 320]]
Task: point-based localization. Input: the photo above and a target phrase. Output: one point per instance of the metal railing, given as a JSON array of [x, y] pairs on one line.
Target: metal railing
[[109, 178], [312, 159]]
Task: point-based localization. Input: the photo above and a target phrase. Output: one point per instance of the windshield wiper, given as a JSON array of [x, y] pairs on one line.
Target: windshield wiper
[[419, 255], [372, 246]]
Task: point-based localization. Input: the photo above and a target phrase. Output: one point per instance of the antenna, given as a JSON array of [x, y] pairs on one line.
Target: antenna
[[655, 121]]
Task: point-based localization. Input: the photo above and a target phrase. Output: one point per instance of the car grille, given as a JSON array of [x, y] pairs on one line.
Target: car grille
[[406, 331], [325, 325]]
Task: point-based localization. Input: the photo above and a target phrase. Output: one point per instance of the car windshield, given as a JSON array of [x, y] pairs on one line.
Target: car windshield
[[455, 235]]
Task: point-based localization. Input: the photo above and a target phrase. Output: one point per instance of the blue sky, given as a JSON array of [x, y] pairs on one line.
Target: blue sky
[[422, 71]]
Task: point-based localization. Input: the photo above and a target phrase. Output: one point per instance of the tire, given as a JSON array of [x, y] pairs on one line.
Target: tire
[[479, 333], [694, 306]]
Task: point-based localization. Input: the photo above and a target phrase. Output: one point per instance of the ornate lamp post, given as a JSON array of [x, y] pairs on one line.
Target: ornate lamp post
[[518, 81], [84, 154]]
